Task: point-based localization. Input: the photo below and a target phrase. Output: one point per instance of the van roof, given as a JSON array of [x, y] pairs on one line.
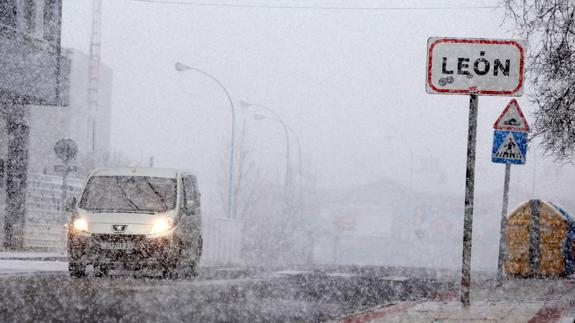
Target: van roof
[[137, 171]]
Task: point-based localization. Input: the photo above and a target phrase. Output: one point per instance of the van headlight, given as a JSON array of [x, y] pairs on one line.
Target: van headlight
[[80, 224], [161, 225]]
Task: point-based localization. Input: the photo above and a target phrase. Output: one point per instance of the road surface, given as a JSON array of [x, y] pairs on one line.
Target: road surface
[[217, 295]]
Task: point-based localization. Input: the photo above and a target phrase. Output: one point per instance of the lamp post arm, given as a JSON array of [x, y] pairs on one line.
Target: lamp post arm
[[285, 127], [231, 206], [288, 169], [298, 142], [270, 111]]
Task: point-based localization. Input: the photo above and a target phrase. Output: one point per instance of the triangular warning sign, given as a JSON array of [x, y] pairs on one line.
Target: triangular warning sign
[[509, 149], [512, 118]]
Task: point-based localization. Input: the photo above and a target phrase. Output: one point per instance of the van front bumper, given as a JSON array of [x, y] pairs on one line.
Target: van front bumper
[[122, 250]]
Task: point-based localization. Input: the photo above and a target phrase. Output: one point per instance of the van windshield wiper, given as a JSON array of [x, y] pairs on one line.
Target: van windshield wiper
[[125, 196], [157, 194]]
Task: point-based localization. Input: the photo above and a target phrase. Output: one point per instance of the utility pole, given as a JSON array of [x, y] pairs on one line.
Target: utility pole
[[94, 74]]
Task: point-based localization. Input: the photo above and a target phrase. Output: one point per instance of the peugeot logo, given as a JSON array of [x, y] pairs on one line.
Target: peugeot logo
[[119, 228]]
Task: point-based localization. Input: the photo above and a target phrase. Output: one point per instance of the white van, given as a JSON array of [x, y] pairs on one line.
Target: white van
[[133, 218]]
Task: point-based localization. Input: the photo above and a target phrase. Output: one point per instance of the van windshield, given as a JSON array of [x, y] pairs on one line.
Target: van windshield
[[129, 194]]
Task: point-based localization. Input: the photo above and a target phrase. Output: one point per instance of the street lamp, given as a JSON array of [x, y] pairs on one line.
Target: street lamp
[[287, 128], [300, 169], [287, 179], [180, 67]]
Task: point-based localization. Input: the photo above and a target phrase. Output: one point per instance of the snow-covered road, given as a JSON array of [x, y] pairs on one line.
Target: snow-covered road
[[34, 290], [11, 266]]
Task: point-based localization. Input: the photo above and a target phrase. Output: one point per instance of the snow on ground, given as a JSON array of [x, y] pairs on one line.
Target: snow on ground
[[9, 266], [22, 262], [30, 254]]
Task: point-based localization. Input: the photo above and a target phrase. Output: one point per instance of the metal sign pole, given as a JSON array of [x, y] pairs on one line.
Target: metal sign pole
[[469, 192], [449, 72], [66, 150], [502, 246], [64, 186]]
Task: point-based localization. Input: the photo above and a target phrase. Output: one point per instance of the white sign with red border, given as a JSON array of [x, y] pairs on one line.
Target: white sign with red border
[[512, 118], [475, 66]]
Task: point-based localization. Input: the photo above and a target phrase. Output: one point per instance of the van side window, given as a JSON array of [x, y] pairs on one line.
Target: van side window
[[190, 189]]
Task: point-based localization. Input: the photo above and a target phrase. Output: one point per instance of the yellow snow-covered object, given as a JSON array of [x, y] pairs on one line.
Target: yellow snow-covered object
[[540, 240]]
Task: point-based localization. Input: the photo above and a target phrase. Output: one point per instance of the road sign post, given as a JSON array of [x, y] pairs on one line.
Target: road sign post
[[66, 150], [502, 239], [469, 199], [475, 67], [509, 147]]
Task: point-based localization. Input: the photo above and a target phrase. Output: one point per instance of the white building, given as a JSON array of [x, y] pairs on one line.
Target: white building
[[43, 225], [89, 129], [32, 72]]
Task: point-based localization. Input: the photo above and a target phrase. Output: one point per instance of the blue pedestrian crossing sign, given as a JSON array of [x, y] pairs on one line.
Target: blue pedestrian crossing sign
[[509, 147]]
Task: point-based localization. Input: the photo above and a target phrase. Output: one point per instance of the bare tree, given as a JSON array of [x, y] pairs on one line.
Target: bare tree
[[273, 233], [247, 179], [549, 27]]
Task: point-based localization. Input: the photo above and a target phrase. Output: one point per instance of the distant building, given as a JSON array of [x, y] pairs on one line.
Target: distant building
[[89, 129], [32, 71]]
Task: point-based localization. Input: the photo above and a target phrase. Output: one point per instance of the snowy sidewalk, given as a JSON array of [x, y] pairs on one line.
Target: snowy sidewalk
[[519, 300], [23, 262], [33, 255]]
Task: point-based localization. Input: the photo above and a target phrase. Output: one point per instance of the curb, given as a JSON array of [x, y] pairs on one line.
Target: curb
[[50, 258], [552, 311], [378, 313]]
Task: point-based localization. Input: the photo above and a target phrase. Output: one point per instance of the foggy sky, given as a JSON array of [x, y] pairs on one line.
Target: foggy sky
[[350, 83]]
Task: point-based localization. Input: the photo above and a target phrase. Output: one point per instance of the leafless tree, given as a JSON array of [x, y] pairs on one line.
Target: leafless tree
[[549, 27], [247, 178]]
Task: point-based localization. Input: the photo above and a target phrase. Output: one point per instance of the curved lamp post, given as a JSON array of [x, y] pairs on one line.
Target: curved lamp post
[[287, 129], [180, 67], [278, 119], [300, 169]]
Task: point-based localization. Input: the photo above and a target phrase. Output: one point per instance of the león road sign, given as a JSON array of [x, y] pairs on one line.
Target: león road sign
[[511, 118], [509, 147], [475, 66]]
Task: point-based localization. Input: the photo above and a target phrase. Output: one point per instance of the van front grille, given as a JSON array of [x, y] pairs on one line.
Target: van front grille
[[119, 237]]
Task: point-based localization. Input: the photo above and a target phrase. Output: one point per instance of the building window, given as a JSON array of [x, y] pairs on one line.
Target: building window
[[8, 11]]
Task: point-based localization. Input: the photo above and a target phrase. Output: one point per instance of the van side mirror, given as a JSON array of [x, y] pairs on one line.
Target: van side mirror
[[190, 207], [70, 204]]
